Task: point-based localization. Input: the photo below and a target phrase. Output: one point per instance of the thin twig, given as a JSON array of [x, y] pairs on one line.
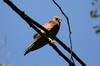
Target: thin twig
[[24, 16], [69, 29]]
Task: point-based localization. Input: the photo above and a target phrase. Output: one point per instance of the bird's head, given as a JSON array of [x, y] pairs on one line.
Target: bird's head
[[56, 18]]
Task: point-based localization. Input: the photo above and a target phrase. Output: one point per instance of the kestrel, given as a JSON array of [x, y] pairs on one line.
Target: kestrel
[[53, 26]]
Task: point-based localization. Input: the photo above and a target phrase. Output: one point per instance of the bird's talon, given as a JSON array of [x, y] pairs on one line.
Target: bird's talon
[[52, 42]]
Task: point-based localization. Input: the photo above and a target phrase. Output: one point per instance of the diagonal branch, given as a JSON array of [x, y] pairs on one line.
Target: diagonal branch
[[30, 21], [25, 17]]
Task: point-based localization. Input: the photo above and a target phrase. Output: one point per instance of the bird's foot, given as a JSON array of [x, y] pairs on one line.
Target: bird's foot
[[52, 42]]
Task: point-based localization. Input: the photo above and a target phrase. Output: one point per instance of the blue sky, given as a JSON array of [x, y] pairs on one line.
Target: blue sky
[[20, 35]]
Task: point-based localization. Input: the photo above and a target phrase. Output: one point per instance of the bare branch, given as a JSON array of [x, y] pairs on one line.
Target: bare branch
[[33, 22], [30, 22]]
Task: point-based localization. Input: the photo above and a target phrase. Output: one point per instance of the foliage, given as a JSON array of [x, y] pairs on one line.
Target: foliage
[[97, 29], [4, 65], [96, 14]]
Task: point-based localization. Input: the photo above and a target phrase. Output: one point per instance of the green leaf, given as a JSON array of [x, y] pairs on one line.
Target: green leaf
[[95, 27], [98, 31], [93, 14]]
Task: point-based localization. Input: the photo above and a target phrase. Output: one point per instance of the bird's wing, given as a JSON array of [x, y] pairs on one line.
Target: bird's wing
[[49, 26]]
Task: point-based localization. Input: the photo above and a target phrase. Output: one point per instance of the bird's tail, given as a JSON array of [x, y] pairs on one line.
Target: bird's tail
[[38, 43], [28, 49], [26, 52]]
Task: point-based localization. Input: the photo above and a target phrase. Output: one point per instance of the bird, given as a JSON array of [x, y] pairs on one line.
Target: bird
[[53, 26]]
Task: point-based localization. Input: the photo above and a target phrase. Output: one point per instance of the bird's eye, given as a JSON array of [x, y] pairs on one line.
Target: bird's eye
[[56, 19]]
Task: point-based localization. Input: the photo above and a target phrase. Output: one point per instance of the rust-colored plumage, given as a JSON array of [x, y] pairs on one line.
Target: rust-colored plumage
[[53, 26]]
